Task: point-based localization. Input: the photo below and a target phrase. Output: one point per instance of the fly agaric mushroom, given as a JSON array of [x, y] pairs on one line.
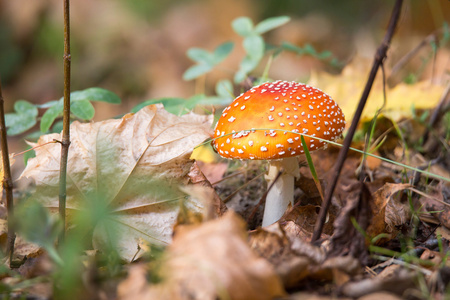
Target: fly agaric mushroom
[[266, 122]]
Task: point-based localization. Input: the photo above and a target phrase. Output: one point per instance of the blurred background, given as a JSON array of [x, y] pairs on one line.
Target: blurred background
[[138, 48]]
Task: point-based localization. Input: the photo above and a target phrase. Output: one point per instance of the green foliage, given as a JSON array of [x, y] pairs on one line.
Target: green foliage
[[23, 119], [255, 49], [205, 60], [253, 42], [36, 225], [180, 106], [81, 108]]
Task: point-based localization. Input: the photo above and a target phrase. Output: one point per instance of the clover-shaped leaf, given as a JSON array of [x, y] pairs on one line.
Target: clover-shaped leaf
[[23, 119]]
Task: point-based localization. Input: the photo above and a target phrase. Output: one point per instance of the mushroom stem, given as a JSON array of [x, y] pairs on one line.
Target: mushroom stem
[[282, 191]]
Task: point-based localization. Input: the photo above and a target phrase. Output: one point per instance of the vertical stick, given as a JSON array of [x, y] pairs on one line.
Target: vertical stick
[[378, 60], [7, 180], [65, 142]]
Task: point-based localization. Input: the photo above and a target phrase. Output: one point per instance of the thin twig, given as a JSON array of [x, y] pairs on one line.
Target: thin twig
[[65, 142], [436, 112], [378, 60], [7, 180]]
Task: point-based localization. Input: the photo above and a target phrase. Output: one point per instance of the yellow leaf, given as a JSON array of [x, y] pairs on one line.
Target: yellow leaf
[[346, 89], [204, 153]]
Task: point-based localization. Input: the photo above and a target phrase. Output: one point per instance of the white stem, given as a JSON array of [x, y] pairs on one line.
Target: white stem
[[282, 192]]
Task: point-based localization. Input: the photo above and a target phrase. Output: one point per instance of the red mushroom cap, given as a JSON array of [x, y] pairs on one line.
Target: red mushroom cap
[[277, 106]]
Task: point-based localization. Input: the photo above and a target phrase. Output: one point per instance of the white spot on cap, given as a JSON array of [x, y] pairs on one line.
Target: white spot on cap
[[232, 149], [250, 143], [271, 118], [242, 107], [311, 107], [231, 119], [263, 149], [279, 146], [290, 141], [247, 97], [272, 108], [280, 114], [240, 151]]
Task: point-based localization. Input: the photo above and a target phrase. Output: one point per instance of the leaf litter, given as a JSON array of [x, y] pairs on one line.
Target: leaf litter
[[376, 243]]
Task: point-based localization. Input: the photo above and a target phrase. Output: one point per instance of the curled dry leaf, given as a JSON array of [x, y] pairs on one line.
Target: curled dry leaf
[[208, 261], [127, 169], [389, 211]]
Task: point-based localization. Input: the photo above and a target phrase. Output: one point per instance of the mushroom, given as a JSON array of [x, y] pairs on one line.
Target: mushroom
[[265, 123]]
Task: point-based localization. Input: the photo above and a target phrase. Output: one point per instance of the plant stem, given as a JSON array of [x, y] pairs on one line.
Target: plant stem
[[378, 60], [65, 142], [7, 180]]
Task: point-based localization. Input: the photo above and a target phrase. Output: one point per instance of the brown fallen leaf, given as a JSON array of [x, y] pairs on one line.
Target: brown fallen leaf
[[389, 211], [129, 169], [436, 204], [208, 261]]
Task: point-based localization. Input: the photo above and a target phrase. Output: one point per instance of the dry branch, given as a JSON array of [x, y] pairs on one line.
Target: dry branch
[[378, 60], [65, 142], [7, 179]]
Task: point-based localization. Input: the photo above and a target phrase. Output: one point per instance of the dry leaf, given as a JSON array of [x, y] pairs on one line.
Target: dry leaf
[[389, 212], [208, 261], [346, 88], [130, 167]]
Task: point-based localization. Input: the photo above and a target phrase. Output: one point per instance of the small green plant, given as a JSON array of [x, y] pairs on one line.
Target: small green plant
[[26, 113], [255, 48]]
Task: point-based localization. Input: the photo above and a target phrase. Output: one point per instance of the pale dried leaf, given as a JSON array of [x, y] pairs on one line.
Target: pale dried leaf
[[132, 166]]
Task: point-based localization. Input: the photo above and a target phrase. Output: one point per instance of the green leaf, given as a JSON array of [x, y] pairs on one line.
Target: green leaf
[[196, 71], [201, 56], [224, 88], [309, 49], [222, 51], [324, 55], [29, 154], [50, 115], [82, 109], [254, 47], [95, 94], [47, 104], [172, 105], [243, 26], [23, 119], [271, 23], [240, 76]]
